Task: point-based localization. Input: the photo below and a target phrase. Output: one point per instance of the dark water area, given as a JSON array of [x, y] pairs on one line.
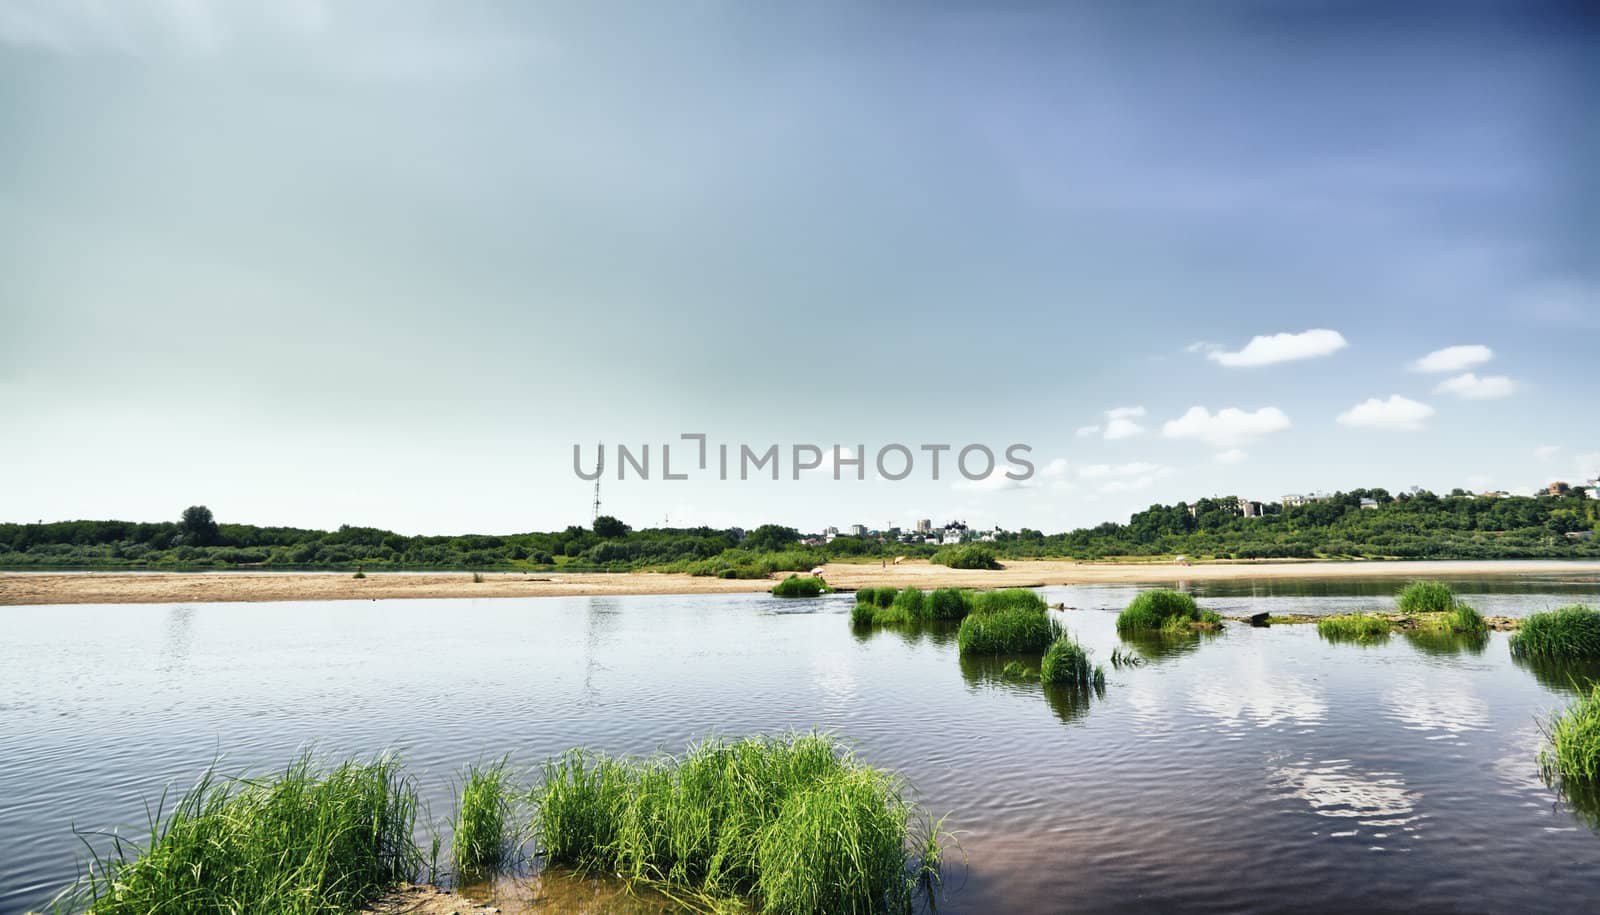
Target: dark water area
[[1252, 770]]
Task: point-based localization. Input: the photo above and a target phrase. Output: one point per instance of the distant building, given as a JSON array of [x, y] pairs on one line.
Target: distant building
[[1558, 488], [1579, 535], [951, 536], [1295, 500], [858, 530], [1369, 503], [1493, 494], [828, 533], [924, 525]]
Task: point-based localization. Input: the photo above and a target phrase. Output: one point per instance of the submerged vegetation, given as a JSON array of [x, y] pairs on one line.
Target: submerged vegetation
[[1571, 632], [795, 586], [308, 841], [795, 823]]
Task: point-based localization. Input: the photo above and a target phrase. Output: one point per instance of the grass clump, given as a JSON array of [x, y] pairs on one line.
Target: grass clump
[[795, 586], [1353, 627], [1425, 597], [1121, 659], [1016, 631], [971, 556], [1571, 632], [1067, 663], [1574, 750], [949, 604], [910, 603], [1459, 618], [1159, 609], [307, 841], [485, 834], [793, 823], [1007, 599], [863, 614]]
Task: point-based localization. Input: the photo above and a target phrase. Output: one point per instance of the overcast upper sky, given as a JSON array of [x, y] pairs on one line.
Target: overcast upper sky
[[384, 263]]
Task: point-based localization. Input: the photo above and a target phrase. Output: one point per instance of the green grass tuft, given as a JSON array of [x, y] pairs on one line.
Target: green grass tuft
[[863, 614], [1571, 632], [1121, 659], [1067, 663], [1159, 609], [1007, 599], [911, 603], [1016, 631], [949, 604], [794, 823], [1425, 597], [1353, 627], [795, 586], [485, 832], [1574, 750], [307, 841]]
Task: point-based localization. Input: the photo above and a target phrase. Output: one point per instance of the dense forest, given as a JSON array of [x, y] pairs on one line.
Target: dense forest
[[1417, 525]]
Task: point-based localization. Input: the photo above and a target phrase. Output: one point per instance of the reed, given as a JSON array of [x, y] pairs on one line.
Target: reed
[[306, 841], [1353, 627], [863, 614], [1016, 631], [1574, 749], [911, 603], [949, 604], [792, 823], [1158, 609], [485, 832], [1121, 659], [1067, 663], [1425, 597], [1006, 599], [1571, 632]]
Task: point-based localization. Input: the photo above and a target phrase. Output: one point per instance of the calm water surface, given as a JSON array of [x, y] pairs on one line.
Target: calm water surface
[[1256, 770]]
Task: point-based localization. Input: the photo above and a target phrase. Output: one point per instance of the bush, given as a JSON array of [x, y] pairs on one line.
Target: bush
[[795, 586], [971, 556], [1007, 599], [1425, 597], [1154, 610], [1571, 632], [1066, 663], [1016, 631]]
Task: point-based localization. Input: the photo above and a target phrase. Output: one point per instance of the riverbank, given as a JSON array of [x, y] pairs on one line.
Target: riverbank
[[30, 588]]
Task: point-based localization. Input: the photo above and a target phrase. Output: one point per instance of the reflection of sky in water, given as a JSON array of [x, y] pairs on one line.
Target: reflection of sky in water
[[1251, 694], [834, 678], [1378, 803], [1442, 705]]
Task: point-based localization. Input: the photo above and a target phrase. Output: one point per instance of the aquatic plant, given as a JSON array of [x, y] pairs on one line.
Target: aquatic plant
[[307, 841], [1067, 663], [884, 597], [1574, 749], [1016, 631], [1571, 632], [863, 614], [485, 832], [795, 586], [909, 602], [949, 604], [1155, 609], [794, 822], [895, 614], [1353, 627], [1459, 618], [1121, 659], [866, 595], [1425, 597], [1016, 670], [1006, 599]]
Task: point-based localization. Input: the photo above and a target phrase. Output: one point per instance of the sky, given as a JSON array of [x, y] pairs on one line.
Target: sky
[[386, 263]]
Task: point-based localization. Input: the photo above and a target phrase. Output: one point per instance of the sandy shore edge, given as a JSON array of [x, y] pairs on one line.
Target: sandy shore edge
[[36, 588]]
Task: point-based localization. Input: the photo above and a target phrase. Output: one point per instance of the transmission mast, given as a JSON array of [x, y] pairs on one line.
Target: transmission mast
[[598, 467]]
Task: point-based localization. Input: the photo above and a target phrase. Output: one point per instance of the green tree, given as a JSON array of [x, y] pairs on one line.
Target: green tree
[[609, 527], [199, 528]]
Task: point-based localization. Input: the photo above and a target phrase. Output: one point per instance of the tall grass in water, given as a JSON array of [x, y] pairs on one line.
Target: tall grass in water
[[485, 828], [1571, 632], [1007, 599], [910, 604], [1354, 627], [1017, 631], [307, 841], [1158, 609], [1574, 750], [949, 604], [795, 586], [1425, 597], [863, 614], [1066, 663], [794, 822]]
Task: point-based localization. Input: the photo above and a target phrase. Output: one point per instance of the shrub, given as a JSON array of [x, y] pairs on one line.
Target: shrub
[[1007, 599], [1353, 627], [1015, 631], [971, 556], [306, 841], [795, 586], [1066, 663], [1154, 610], [1571, 632], [1425, 597]]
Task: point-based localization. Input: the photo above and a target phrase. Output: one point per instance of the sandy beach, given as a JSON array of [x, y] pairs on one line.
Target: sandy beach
[[29, 588]]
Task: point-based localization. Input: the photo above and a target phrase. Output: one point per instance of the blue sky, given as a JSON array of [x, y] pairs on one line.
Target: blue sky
[[385, 263]]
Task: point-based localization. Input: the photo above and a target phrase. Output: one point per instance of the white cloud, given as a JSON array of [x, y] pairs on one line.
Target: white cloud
[[1137, 468], [1546, 452], [1231, 456], [1087, 431], [1122, 428], [1201, 346], [1472, 387], [1453, 358], [996, 481], [1227, 427], [1125, 412], [1119, 425], [1282, 348], [1055, 470], [1397, 413]]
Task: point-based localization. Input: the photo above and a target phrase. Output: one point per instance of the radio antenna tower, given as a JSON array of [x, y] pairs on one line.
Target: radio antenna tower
[[599, 465]]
